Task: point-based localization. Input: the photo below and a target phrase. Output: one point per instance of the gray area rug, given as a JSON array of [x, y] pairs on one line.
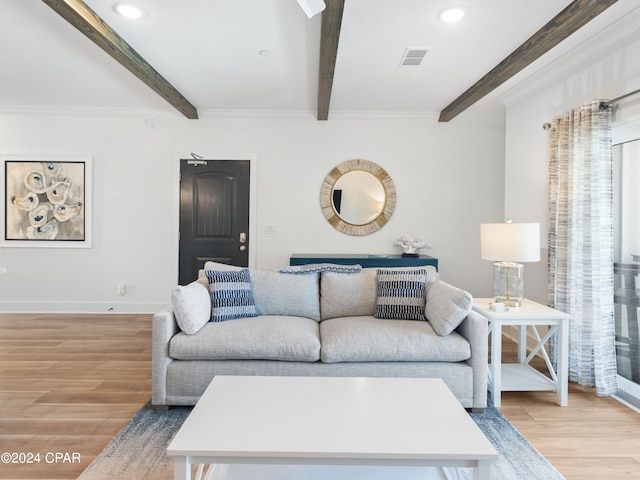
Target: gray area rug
[[138, 451]]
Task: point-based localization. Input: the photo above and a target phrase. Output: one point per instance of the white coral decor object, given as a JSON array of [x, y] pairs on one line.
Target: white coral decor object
[[412, 245]]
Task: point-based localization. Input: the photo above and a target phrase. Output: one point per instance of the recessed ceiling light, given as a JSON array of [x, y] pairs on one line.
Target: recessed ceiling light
[[129, 10], [452, 15]]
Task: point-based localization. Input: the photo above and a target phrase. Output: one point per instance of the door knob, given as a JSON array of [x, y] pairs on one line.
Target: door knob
[[242, 248]]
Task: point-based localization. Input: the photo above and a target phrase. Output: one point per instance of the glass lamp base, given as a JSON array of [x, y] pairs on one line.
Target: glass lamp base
[[508, 283]]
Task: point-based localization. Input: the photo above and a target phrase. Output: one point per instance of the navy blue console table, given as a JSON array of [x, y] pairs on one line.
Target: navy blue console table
[[366, 261]]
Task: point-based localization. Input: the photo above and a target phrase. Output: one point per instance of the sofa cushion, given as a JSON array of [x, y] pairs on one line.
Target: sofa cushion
[[191, 306], [272, 337], [369, 339], [401, 294], [350, 295], [285, 294], [447, 306], [231, 295]]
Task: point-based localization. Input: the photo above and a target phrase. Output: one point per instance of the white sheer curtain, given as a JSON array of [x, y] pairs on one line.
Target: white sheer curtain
[[581, 241]]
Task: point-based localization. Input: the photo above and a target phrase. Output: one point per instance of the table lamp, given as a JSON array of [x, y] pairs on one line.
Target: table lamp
[[506, 244]]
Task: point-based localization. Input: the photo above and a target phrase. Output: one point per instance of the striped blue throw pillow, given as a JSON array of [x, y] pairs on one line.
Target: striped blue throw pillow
[[231, 294], [320, 267], [401, 294]]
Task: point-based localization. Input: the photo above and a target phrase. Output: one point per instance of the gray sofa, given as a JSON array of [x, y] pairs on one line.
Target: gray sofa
[[318, 323]]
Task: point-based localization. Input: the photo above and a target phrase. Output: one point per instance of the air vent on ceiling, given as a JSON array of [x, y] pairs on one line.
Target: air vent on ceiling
[[413, 56]]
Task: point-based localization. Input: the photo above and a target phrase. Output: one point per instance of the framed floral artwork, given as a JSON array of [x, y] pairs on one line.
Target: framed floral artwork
[[47, 201]]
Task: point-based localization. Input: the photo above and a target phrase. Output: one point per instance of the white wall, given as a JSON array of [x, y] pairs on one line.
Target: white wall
[[605, 67], [448, 176]]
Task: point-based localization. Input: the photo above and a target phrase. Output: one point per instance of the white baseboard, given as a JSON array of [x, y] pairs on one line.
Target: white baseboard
[[80, 307]]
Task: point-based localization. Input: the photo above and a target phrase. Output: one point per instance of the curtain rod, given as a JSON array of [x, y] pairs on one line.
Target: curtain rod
[[611, 102], [603, 105]]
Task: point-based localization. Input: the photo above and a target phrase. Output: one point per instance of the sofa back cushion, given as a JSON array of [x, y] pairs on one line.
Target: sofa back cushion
[[353, 294], [348, 294], [276, 293]]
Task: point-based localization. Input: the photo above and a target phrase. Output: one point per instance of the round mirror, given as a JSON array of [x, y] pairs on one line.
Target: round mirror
[[358, 197]]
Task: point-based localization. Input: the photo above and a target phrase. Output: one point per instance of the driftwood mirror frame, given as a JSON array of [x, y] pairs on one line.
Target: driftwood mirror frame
[[326, 197]]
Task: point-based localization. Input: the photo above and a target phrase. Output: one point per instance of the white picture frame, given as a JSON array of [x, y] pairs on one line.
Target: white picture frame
[[60, 186]]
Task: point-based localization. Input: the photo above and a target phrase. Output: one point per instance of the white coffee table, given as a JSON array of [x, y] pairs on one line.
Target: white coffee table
[[331, 422]]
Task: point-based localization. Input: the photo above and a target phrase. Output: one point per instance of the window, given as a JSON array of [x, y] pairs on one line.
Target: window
[[626, 231]]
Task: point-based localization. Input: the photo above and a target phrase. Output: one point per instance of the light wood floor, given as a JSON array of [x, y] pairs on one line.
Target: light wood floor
[[69, 383]]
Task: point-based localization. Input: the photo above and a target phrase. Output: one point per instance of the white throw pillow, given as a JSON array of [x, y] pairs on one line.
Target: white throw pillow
[[447, 306], [192, 306]]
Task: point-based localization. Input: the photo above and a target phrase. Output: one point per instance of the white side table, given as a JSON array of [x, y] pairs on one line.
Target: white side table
[[521, 376]]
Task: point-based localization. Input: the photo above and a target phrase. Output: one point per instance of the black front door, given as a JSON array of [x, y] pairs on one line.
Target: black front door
[[214, 215]]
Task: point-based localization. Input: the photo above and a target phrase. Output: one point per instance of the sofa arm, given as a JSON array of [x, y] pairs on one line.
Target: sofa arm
[[476, 330], [163, 329]]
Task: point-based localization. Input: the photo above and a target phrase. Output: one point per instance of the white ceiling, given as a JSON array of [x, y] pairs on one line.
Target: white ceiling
[[209, 51]]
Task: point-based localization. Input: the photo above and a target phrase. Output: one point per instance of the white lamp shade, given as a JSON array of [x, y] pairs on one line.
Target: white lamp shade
[[510, 242]]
